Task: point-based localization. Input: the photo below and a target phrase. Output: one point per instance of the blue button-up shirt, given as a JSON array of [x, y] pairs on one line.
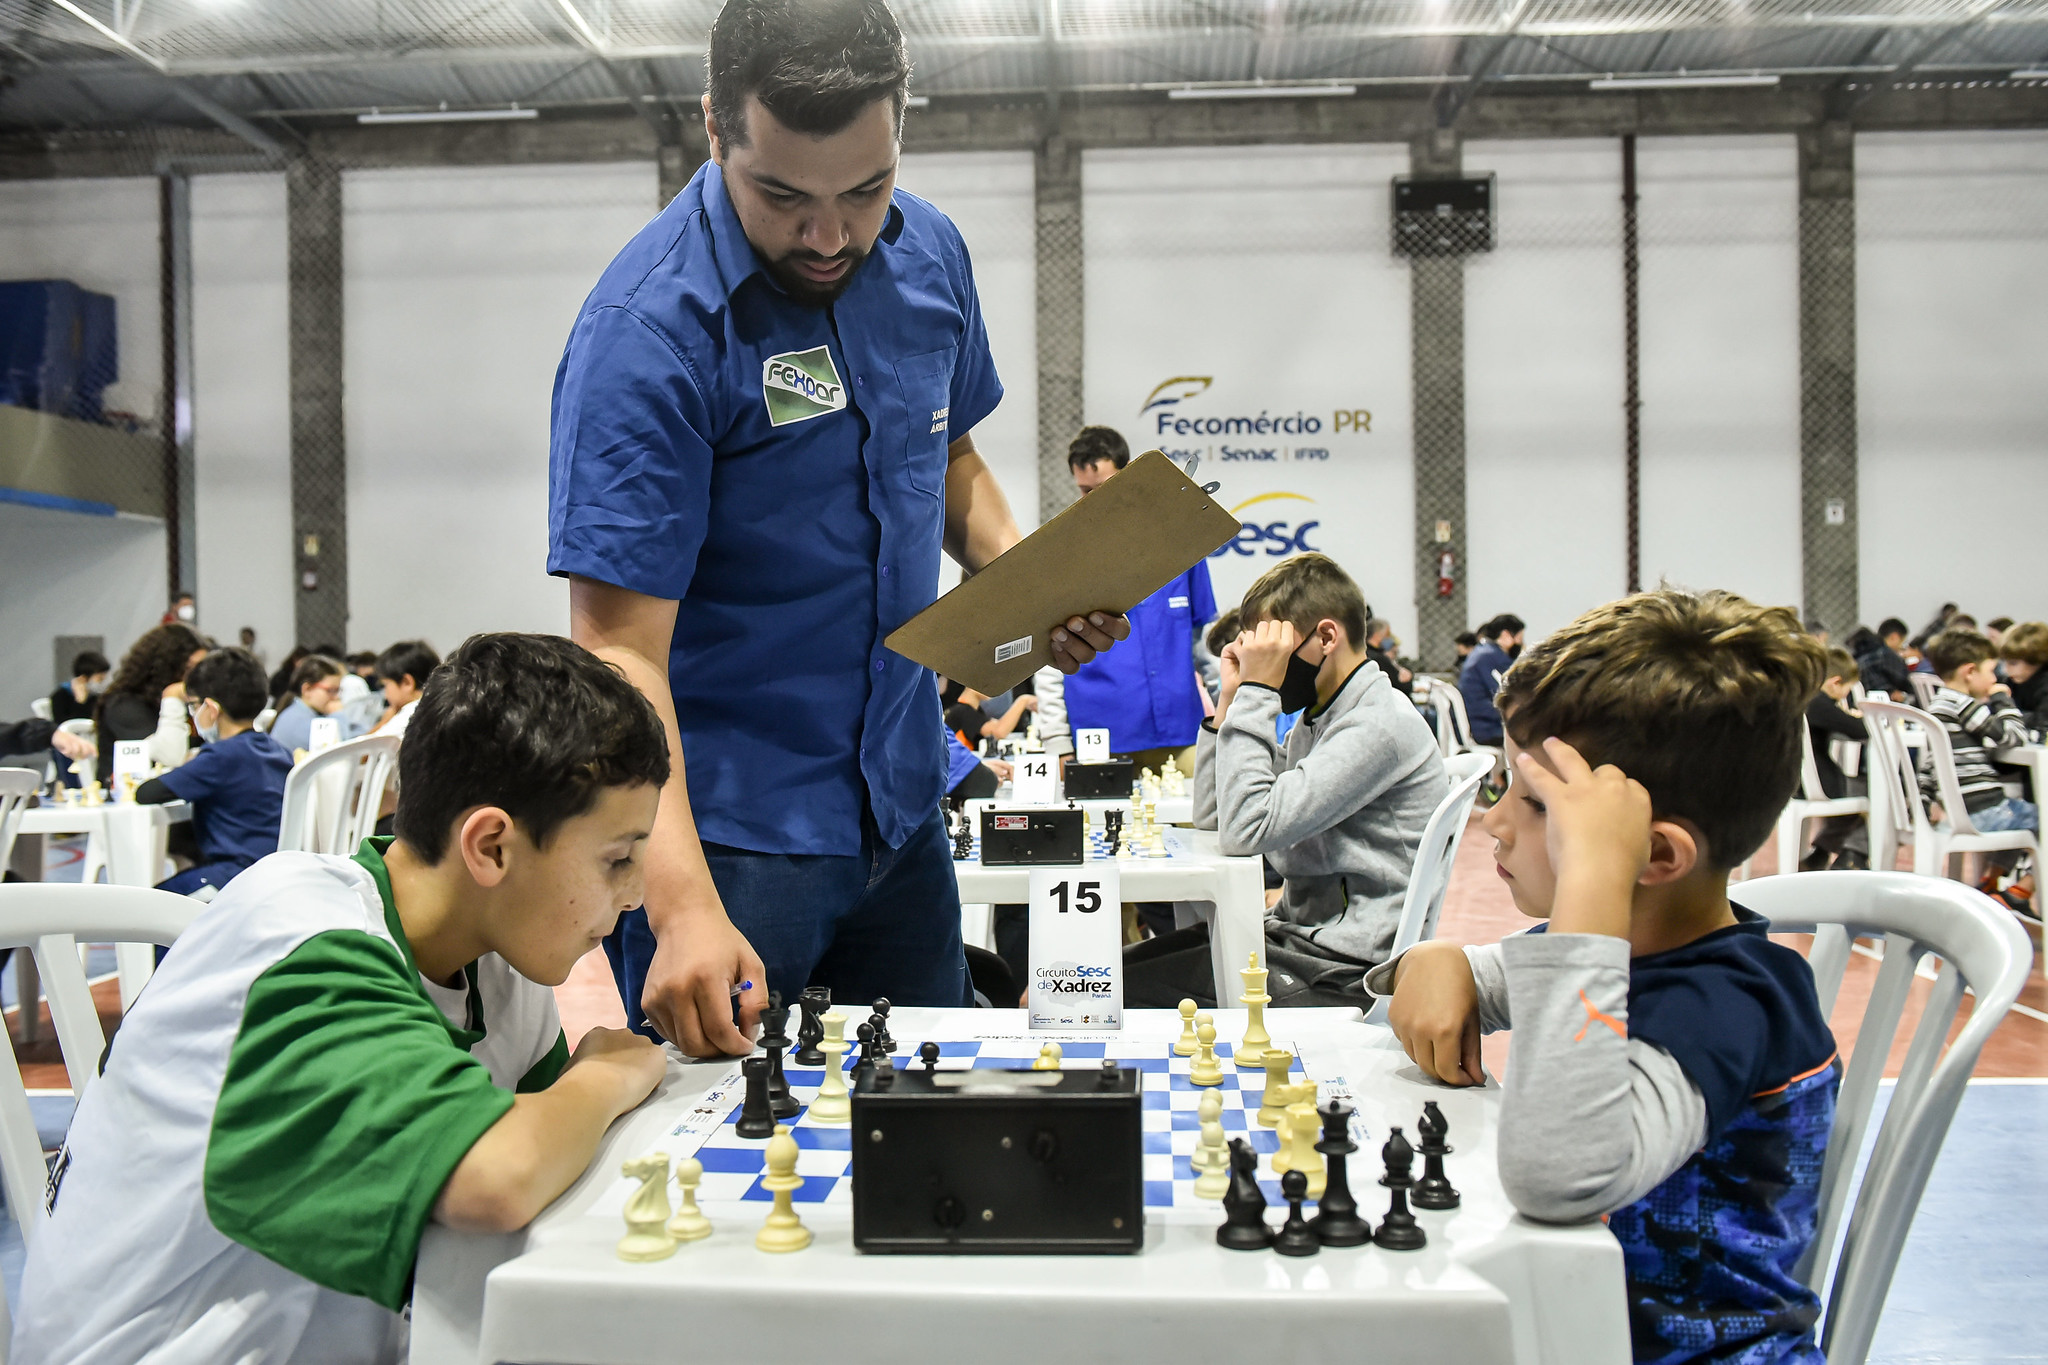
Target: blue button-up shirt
[[779, 471], [1144, 691]]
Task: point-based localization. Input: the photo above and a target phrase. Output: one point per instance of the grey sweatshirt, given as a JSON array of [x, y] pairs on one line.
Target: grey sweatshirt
[[1338, 809]]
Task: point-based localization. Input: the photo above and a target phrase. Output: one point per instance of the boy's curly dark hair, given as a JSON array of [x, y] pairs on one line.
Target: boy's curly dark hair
[[1698, 696], [154, 662]]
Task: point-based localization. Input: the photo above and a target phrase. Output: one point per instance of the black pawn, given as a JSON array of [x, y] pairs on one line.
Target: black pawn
[[1433, 1191], [866, 1065], [1398, 1230], [1337, 1223], [1244, 1203], [880, 1019], [774, 1038], [1295, 1239], [757, 1116], [929, 1053], [810, 1031]]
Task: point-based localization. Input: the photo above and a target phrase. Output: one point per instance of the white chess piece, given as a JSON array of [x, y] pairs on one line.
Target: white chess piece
[[831, 1104], [646, 1210], [1049, 1058], [689, 1224], [1208, 1068], [1212, 1159], [1273, 1103], [1187, 1045], [1155, 847], [1303, 1128], [783, 1230], [1251, 1052]]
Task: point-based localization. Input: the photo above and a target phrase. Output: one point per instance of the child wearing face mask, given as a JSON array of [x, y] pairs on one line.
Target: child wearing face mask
[[1337, 808], [235, 782]]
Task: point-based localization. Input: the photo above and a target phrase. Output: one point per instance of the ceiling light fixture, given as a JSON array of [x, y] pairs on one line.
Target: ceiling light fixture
[[446, 115], [1256, 92], [1680, 82]]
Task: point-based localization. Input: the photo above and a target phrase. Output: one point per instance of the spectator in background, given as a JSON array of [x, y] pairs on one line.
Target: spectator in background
[[1149, 694], [968, 777], [1995, 629], [1478, 681], [2024, 651], [146, 698], [1378, 631], [249, 643], [35, 737], [1978, 712], [77, 699], [315, 692], [1843, 841], [966, 719], [235, 781], [1882, 663], [281, 681], [402, 670], [1817, 628], [184, 610], [1464, 642], [1209, 653]]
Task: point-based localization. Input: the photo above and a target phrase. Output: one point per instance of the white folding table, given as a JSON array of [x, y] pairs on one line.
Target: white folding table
[[1489, 1287]]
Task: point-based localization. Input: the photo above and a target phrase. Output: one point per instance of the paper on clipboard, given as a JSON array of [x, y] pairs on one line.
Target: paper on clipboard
[[1111, 550]]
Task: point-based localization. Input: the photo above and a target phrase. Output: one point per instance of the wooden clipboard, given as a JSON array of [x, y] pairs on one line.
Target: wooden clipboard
[[1145, 525]]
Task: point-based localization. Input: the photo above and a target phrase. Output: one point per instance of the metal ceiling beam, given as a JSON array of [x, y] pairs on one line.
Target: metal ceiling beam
[[1926, 48], [1451, 98], [197, 99]]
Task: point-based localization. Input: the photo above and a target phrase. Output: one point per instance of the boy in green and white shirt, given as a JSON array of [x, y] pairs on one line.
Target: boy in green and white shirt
[[339, 1049]]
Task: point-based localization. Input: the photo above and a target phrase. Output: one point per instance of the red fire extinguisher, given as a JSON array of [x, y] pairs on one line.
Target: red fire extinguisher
[[1446, 574]]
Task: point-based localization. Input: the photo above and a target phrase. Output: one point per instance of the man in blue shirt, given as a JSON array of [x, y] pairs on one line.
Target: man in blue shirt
[[1500, 641], [235, 781], [1148, 696], [762, 441]]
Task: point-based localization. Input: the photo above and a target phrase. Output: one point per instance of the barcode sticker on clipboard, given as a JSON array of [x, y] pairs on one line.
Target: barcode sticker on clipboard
[[1005, 653]]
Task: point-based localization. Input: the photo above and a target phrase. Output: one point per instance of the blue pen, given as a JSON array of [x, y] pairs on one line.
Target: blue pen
[[742, 988]]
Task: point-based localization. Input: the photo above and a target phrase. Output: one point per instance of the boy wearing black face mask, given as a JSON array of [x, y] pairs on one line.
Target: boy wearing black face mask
[[1337, 808]]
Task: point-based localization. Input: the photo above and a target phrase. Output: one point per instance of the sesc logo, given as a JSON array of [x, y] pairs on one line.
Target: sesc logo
[[1174, 390], [1280, 538], [800, 385]]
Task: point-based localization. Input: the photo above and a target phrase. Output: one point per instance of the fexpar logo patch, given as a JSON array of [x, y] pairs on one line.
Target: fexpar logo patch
[[800, 385]]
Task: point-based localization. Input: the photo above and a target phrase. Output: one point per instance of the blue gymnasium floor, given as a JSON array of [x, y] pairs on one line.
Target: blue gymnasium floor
[[1972, 1287]]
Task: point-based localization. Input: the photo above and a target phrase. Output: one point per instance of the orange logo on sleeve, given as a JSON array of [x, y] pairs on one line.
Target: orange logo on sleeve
[[1592, 1014]]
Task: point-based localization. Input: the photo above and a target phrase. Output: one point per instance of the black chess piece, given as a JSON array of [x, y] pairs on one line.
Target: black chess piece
[[866, 1065], [880, 1019], [929, 1053], [775, 1038], [1113, 829], [1434, 1190], [810, 1031], [1244, 1203], [757, 1116], [1398, 1230], [1294, 1238], [1337, 1223]]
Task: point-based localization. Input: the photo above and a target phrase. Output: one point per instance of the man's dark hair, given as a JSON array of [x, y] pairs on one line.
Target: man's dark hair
[[1091, 444], [311, 669], [1466, 638], [413, 659], [814, 64], [1950, 649], [233, 680], [1698, 696], [1999, 623], [535, 725], [88, 663], [1507, 623], [1890, 626]]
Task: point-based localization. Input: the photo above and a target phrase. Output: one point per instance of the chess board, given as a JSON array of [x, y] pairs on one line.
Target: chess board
[[1098, 849], [733, 1166]]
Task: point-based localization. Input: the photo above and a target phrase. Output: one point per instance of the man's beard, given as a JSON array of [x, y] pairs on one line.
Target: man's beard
[[809, 292]]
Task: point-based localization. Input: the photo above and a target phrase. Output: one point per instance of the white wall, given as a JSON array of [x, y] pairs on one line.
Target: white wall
[[102, 236], [1265, 271], [1544, 443], [460, 288], [1718, 224], [70, 574], [1952, 383], [241, 411], [989, 196]]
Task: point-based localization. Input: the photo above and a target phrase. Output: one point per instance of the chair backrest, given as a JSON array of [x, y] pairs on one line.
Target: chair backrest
[[1937, 754], [1895, 809], [1981, 948], [1810, 788], [1456, 732], [1924, 686], [41, 709], [1431, 877], [17, 785], [1461, 766], [331, 799], [51, 920], [265, 718]]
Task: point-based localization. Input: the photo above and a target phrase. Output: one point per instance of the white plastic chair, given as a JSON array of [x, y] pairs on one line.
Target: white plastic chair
[[1980, 948], [95, 860], [331, 800], [41, 709], [17, 785], [1925, 685], [265, 719], [1812, 803], [1933, 845], [50, 920], [1434, 858]]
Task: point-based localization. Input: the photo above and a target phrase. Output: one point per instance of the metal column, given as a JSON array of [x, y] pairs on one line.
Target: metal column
[[1436, 312], [1827, 375], [1060, 318], [319, 444]]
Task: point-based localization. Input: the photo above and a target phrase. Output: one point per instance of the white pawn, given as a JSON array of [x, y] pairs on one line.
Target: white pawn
[[783, 1230], [1187, 1045], [1049, 1058], [1156, 846], [831, 1104], [1208, 1069], [1303, 1129], [646, 1210], [1212, 1158], [689, 1224]]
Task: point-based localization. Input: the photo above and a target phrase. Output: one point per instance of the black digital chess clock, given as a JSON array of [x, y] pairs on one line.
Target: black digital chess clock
[[999, 1162], [1109, 781], [1038, 836]]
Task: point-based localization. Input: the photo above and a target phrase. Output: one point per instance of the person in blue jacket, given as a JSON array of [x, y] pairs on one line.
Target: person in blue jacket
[[1500, 640]]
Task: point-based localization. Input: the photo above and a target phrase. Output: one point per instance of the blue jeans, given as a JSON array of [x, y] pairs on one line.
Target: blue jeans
[[2011, 813], [885, 922]]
